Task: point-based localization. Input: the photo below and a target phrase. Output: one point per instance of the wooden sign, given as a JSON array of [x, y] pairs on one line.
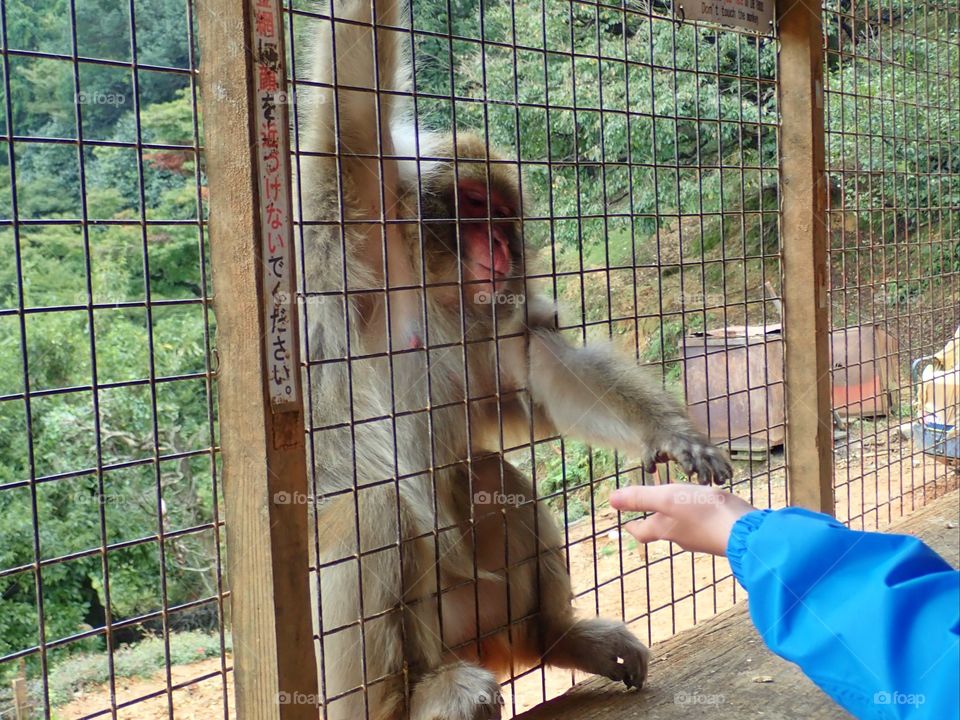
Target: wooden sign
[[273, 165], [755, 15]]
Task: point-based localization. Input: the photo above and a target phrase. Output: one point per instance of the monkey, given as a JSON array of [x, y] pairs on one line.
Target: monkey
[[436, 571]]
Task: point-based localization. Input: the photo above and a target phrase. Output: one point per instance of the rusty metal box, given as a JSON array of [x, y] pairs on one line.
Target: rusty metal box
[[734, 378]]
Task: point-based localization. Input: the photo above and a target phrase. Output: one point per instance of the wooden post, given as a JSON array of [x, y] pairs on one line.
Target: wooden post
[[21, 703], [809, 444], [262, 440]]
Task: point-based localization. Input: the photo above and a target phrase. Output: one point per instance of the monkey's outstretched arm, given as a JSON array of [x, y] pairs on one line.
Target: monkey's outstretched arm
[[592, 394]]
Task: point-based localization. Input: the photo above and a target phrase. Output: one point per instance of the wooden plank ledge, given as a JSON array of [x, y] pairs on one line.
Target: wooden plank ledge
[[722, 667]]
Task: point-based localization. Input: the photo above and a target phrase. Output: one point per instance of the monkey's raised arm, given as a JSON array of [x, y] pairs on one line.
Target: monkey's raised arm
[[358, 65], [592, 394]]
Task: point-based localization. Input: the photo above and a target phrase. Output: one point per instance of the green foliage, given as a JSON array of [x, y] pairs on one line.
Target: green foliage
[[108, 264], [615, 114], [625, 113], [568, 478], [139, 660], [894, 121]]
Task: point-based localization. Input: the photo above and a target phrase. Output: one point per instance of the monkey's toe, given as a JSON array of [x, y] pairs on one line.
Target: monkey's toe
[[625, 657], [489, 708], [631, 663], [460, 691]]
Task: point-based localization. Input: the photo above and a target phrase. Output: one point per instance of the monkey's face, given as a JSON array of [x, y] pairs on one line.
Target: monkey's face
[[489, 238], [477, 239]]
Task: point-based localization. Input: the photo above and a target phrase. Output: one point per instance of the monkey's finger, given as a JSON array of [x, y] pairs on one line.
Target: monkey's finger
[[706, 473], [635, 657], [712, 466], [719, 468], [650, 461], [686, 461]]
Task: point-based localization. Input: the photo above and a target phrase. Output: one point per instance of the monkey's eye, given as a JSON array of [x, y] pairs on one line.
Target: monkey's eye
[[475, 199], [474, 203]]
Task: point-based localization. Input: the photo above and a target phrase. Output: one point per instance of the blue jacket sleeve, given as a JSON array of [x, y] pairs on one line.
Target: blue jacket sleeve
[[871, 618]]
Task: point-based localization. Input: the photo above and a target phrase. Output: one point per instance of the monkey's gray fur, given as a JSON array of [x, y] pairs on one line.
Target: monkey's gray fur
[[460, 522]]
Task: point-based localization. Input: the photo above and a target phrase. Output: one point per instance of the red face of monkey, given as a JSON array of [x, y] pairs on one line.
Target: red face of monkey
[[489, 242]]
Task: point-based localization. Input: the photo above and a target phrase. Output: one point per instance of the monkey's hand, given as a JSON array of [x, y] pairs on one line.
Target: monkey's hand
[[695, 454]]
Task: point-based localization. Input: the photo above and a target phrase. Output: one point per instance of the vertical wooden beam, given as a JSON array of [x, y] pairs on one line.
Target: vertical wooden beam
[[263, 445], [809, 445], [21, 704]]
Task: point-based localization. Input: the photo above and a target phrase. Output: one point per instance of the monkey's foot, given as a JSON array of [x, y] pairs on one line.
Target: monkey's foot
[[457, 692], [696, 455], [608, 648]]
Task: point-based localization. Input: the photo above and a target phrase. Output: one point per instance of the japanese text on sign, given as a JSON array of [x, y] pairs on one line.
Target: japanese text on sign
[[756, 15], [275, 208]]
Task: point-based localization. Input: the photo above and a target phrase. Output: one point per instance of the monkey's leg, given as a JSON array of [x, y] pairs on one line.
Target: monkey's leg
[[592, 394], [595, 645], [543, 624], [378, 608], [363, 640]]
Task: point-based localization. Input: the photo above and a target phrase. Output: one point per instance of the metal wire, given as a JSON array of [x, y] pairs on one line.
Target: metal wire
[[650, 155], [891, 101], [579, 194], [148, 479]]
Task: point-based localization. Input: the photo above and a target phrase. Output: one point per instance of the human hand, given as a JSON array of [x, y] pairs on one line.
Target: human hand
[[696, 517]]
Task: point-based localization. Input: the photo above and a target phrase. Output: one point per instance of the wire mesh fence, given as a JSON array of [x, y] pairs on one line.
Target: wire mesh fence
[[111, 565], [892, 113], [649, 156], [642, 154]]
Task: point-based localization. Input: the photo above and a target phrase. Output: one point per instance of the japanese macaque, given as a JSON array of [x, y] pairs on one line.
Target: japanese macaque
[[439, 571]]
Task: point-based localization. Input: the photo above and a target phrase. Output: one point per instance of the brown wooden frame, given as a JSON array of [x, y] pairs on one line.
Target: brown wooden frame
[[264, 456], [264, 453]]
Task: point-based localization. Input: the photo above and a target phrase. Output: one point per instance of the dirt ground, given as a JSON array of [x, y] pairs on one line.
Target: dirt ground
[[659, 592], [201, 699]]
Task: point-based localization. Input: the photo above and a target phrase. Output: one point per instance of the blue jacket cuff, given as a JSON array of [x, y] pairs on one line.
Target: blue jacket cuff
[[737, 543]]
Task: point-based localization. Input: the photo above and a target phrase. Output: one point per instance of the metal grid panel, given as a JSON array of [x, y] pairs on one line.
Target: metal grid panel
[[649, 155], [110, 525], [892, 115]]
